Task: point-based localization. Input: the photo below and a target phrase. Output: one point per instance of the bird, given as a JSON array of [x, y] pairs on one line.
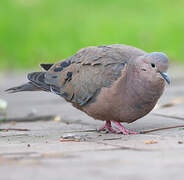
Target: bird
[[114, 83]]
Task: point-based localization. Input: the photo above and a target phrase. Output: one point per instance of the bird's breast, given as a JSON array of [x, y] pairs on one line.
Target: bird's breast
[[139, 99], [124, 102]]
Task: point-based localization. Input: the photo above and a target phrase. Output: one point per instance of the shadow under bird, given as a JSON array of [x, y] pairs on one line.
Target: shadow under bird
[[114, 83]]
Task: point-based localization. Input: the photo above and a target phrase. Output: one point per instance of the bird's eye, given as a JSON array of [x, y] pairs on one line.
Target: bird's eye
[[153, 65]]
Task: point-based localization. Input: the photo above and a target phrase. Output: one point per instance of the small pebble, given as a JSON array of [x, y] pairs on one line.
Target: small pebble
[[57, 119], [73, 137], [28, 145], [3, 104]]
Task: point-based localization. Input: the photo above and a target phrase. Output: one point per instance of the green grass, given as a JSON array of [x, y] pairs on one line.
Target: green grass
[[34, 31]]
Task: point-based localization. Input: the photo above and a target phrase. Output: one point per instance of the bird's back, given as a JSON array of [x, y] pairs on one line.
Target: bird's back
[[81, 77]]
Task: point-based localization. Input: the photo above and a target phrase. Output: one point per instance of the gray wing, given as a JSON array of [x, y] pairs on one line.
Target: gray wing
[[80, 78]]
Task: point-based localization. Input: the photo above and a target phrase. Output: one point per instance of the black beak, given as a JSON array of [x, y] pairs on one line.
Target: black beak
[[166, 77]]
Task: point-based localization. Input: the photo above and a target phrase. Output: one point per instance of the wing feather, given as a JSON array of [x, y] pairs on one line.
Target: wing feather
[[80, 78]]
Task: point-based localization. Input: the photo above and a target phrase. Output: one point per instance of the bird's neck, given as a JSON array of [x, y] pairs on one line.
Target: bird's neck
[[143, 89]]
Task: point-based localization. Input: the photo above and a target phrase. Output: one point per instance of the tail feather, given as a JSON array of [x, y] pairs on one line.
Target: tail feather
[[25, 87], [36, 83]]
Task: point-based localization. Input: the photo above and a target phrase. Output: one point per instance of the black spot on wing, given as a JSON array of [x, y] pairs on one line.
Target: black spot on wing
[[96, 63], [58, 69], [69, 76], [63, 65]]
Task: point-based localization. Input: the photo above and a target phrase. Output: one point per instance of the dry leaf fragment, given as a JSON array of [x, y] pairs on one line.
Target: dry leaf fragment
[[151, 142], [13, 129], [13, 123], [69, 140]]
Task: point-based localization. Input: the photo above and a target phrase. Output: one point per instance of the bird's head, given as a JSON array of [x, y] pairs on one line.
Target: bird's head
[[153, 66]]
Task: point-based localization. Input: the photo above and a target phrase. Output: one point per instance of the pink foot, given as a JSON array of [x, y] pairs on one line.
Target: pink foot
[[123, 130], [107, 127]]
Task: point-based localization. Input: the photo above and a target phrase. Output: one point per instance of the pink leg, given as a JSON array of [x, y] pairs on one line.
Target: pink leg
[[108, 127], [123, 130]]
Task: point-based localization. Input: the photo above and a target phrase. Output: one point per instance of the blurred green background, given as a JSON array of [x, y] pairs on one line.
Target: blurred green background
[[34, 31]]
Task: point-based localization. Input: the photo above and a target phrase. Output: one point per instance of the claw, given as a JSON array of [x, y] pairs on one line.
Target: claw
[[123, 130], [107, 127]]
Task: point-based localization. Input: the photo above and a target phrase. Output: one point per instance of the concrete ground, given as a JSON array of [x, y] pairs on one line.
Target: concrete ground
[[42, 151]]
